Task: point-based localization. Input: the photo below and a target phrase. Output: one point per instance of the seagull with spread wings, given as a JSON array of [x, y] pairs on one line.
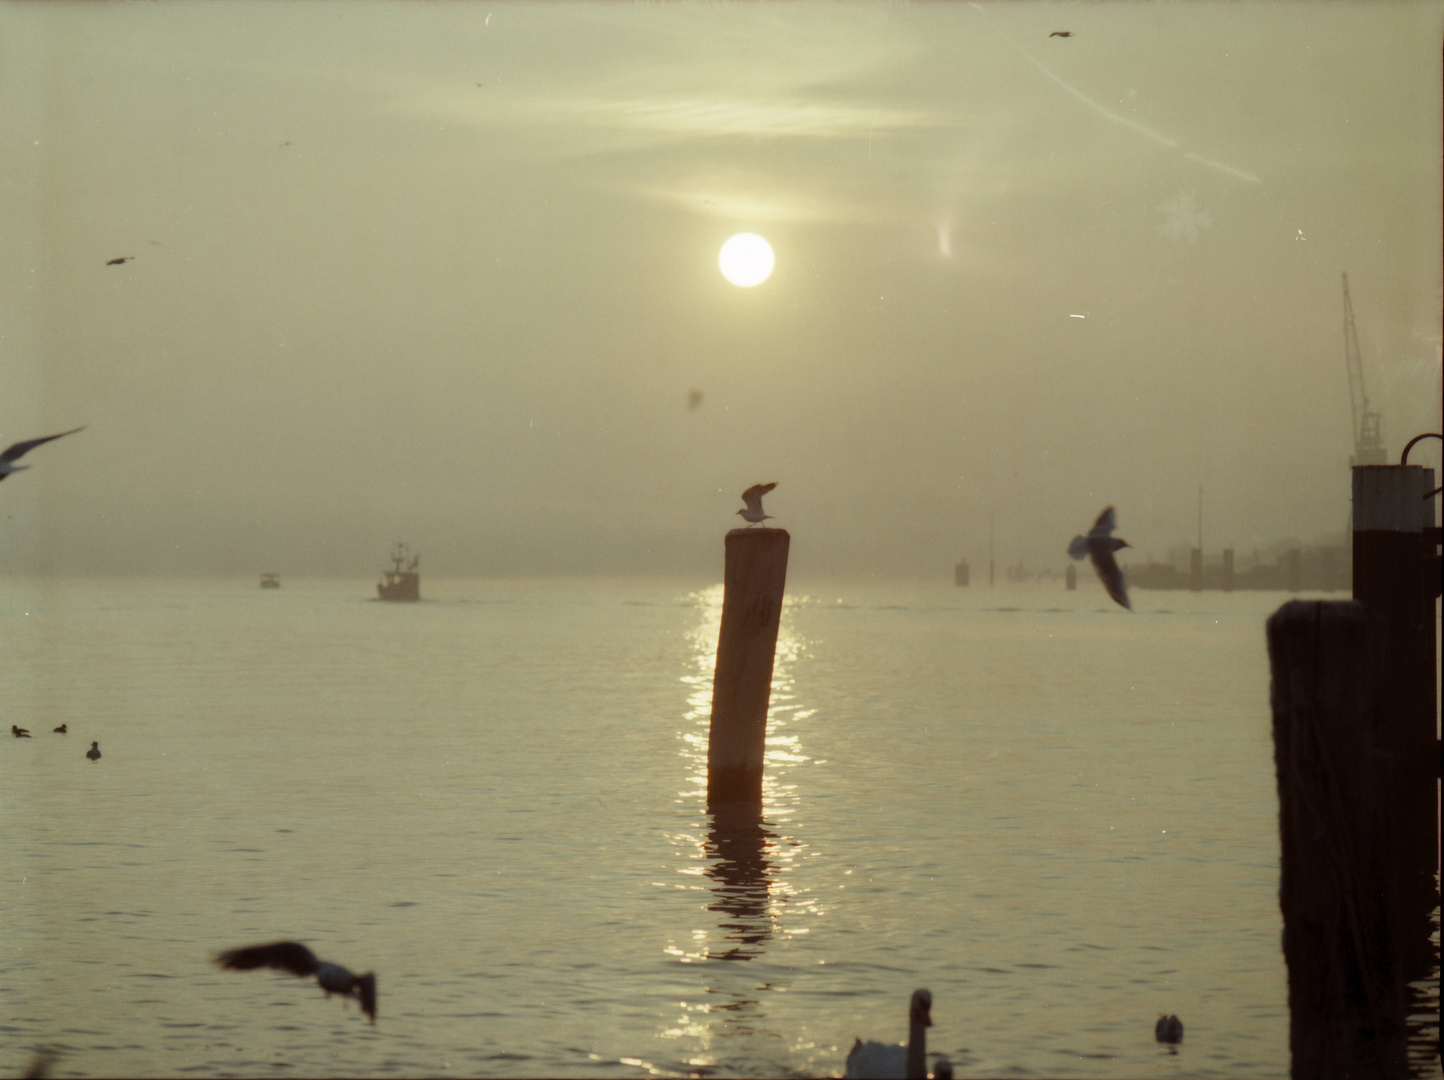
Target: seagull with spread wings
[[1099, 546], [753, 498], [20, 449], [295, 958]]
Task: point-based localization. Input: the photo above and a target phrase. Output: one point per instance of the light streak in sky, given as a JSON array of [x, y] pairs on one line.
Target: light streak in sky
[[1108, 114]]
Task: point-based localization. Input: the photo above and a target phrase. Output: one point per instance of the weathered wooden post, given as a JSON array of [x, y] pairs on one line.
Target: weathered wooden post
[[1391, 579], [1228, 569], [1346, 986], [753, 581]]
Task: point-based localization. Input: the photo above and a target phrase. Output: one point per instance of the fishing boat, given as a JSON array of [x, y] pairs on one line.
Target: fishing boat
[[402, 581], [270, 581]]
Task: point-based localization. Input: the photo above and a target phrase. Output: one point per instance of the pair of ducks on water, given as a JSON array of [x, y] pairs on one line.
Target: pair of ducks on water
[[892, 1061], [23, 733]]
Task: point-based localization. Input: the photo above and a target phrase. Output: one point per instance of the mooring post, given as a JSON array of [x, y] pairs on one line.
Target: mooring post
[[753, 581], [1346, 986], [1391, 571]]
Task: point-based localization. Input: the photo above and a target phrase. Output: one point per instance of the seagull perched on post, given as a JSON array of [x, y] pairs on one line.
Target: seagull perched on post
[[1099, 545], [753, 498], [295, 958], [20, 449]]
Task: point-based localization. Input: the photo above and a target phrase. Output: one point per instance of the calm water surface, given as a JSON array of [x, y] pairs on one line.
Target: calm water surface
[[1059, 817]]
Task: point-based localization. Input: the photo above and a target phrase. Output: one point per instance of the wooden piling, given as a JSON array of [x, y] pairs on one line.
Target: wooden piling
[[753, 581], [1346, 985], [1391, 579]]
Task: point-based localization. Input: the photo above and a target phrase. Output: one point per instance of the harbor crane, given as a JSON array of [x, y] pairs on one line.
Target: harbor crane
[[1368, 443]]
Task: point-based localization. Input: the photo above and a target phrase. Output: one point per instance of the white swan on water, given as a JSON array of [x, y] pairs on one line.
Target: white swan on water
[[893, 1061]]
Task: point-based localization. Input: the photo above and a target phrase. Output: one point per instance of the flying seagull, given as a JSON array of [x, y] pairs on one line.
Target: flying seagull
[[1061, 33], [753, 498], [1099, 546], [20, 449], [94, 752], [295, 958], [19, 732]]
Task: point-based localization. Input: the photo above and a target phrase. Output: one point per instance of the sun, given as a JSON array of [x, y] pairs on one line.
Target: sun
[[746, 260]]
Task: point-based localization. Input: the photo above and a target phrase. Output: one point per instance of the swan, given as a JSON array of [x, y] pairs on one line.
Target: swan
[[886, 1061]]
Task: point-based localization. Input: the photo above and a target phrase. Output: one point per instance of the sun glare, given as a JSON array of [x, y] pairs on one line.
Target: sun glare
[[746, 260]]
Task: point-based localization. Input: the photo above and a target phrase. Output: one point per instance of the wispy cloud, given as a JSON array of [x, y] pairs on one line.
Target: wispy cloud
[[704, 117]]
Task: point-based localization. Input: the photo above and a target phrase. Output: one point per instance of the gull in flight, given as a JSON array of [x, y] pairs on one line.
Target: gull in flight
[[753, 498], [293, 957], [1099, 545], [20, 449]]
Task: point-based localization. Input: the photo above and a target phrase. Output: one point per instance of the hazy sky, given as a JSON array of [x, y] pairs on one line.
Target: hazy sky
[[448, 273]]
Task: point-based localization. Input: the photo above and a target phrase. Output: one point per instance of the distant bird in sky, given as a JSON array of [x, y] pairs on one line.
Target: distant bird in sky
[[1169, 1029], [293, 957], [1061, 33], [753, 498], [20, 449], [1099, 545], [62, 729], [884, 1061], [94, 752], [19, 732], [120, 261]]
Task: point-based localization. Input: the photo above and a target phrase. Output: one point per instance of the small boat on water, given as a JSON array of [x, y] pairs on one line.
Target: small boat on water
[[402, 581], [270, 581]]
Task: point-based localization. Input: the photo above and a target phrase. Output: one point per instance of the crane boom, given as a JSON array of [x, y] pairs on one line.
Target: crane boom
[[1368, 443]]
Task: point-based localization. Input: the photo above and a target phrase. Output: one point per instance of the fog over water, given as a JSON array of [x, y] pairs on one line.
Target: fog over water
[[448, 273]]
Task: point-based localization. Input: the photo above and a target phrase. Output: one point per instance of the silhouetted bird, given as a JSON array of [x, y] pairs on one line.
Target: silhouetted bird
[[1169, 1029], [885, 1061], [20, 449], [62, 729], [19, 732], [120, 261], [94, 752], [293, 957], [1061, 33], [1099, 546], [753, 498]]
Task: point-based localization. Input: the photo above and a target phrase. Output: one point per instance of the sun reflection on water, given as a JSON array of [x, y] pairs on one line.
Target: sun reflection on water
[[744, 855]]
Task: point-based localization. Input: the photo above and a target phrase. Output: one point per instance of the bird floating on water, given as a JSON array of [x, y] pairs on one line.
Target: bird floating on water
[[19, 732], [293, 957], [62, 729], [1169, 1029], [894, 1061], [1099, 545], [753, 498], [20, 449], [94, 752], [120, 261]]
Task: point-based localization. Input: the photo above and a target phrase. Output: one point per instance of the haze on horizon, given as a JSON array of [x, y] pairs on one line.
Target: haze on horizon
[[448, 273]]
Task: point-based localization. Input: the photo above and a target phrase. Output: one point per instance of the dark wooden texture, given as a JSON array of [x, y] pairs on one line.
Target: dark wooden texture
[[1346, 999], [756, 573]]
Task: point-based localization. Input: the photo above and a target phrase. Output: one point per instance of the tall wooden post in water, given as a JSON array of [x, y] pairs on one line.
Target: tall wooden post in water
[[1396, 578], [1336, 817], [756, 572]]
